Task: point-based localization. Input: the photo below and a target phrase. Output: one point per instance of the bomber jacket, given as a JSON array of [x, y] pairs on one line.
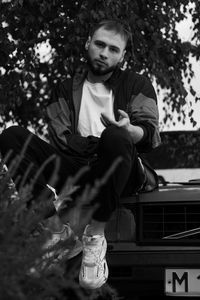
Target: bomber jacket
[[133, 93]]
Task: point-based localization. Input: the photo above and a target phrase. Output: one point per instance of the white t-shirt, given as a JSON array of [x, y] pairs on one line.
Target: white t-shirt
[[96, 99]]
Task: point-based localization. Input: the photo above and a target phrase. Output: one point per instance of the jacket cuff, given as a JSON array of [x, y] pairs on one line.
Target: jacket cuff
[[145, 144]]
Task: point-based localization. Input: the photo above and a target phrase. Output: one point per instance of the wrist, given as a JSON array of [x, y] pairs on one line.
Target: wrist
[[136, 132]]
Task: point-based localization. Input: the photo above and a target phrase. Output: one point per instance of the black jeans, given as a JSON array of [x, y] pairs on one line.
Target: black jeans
[[114, 143]]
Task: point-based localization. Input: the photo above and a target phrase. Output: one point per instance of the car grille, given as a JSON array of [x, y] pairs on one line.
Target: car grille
[[168, 223]]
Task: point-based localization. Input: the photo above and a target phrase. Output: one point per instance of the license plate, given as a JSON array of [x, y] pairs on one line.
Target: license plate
[[182, 282]]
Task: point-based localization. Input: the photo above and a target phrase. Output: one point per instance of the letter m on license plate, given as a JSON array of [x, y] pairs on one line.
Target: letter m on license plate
[[182, 282]]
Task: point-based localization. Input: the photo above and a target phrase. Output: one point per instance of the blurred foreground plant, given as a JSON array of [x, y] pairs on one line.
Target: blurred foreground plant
[[21, 244]]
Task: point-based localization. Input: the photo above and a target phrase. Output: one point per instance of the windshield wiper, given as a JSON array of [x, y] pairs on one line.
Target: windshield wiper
[[182, 234]]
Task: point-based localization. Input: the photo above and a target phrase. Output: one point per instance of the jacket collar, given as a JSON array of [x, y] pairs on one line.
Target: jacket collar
[[82, 71]]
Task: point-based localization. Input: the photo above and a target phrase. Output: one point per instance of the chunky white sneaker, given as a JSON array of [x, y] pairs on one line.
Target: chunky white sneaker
[[94, 270]]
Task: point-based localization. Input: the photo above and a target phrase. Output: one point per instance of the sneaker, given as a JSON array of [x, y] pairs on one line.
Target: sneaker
[[94, 270], [74, 245], [55, 251]]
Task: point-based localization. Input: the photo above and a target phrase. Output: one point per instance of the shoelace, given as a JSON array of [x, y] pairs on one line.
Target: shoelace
[[97, 262], [92, 255]]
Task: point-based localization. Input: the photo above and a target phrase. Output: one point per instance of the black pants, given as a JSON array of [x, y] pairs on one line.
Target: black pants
[[114, 142]]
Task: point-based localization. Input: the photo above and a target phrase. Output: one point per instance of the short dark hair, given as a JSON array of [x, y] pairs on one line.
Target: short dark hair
[[116, 25]]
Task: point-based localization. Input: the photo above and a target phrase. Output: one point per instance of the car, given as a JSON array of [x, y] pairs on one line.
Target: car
[[154, 237]]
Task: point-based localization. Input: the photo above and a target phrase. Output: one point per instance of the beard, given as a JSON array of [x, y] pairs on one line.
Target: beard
[[99, 70]]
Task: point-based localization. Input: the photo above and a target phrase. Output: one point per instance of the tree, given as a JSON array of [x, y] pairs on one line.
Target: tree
[[26, 81]]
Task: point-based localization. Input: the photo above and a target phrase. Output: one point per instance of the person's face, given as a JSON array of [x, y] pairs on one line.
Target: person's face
[[106, 50]]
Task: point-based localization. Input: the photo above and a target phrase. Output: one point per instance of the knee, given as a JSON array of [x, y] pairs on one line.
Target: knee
[[113, 134], [14, 132], [9, 132], [116, 139], [12, 136]]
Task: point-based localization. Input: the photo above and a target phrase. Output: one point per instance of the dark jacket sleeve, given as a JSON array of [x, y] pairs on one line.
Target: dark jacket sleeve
[[143, 111]]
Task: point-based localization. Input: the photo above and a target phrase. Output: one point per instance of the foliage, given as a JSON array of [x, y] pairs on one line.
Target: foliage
[[26, 79], [26, 271]]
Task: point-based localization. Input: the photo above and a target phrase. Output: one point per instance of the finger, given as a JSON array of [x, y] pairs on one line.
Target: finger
[[105, 118], [108, 120], [103, 121], [122, 122], [123, 113]]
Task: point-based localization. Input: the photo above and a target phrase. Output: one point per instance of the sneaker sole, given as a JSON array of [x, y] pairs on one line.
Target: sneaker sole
[[93, 286]]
